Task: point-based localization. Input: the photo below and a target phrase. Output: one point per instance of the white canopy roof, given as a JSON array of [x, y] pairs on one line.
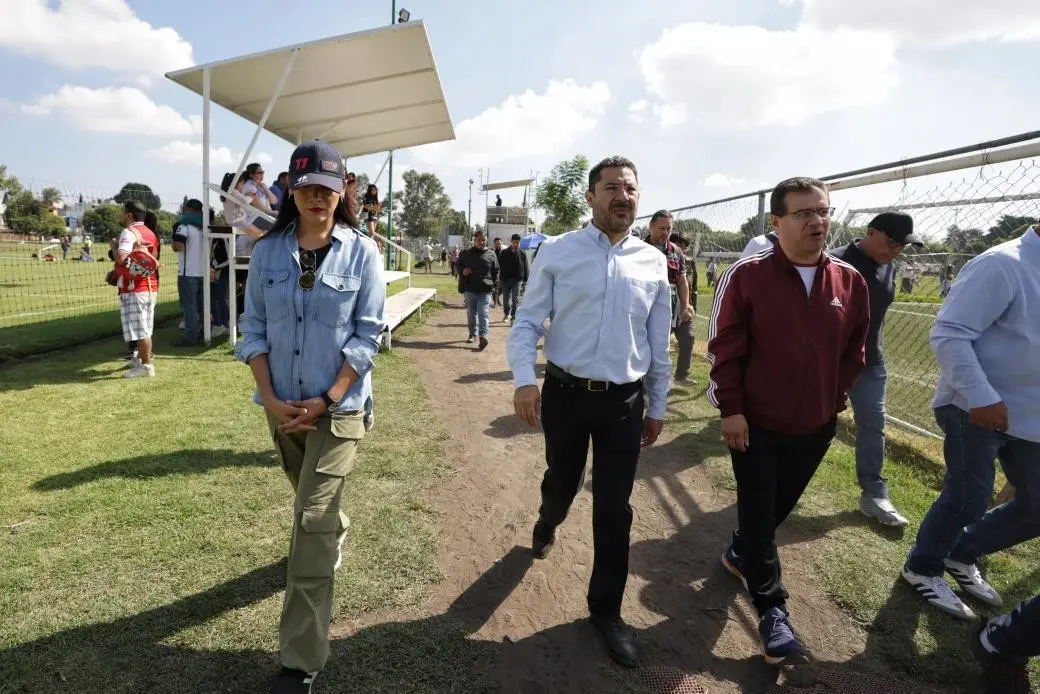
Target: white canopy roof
[[370, 91], [508, 184]]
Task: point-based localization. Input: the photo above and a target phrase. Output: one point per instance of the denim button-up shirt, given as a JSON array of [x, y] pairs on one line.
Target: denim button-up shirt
[[307, 335]]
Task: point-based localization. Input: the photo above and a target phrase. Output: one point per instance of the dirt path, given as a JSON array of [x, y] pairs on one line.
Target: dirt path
[[695, 628]]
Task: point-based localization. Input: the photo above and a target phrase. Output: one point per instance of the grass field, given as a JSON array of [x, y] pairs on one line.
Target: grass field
[[45, 306], [142, 538]]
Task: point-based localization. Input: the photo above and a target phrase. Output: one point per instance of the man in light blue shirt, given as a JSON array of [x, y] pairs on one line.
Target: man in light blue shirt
[[987, 341], [606, 293]]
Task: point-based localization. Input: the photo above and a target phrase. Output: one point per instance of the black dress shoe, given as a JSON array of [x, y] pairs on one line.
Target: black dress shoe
[[620, 642], [542, 540]]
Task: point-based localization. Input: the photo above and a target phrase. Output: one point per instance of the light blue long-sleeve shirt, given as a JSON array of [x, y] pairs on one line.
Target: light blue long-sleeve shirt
[[610, 311], [307, 335], [987, 335]]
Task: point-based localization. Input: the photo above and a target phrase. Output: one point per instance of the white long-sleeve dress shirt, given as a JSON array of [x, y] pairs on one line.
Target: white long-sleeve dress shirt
[[610, 313]]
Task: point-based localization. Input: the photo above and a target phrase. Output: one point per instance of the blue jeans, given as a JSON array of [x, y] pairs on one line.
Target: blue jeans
[[219, 299], [1016, 635], [957, 525], [477, 306], [511, 296], [867, 397], [190, 291]]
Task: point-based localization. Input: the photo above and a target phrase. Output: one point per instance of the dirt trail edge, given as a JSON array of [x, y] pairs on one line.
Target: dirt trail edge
[[695, 627]]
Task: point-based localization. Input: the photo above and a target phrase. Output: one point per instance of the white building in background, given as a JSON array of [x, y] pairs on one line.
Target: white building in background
[[505, 220]]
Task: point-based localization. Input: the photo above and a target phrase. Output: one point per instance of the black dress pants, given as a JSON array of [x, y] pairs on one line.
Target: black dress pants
[[771, 476], [612, 420]]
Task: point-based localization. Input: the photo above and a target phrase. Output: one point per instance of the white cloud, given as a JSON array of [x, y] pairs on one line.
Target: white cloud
[[527, 124], [82, 34], [924, 22], [637, 111], [124, 110], [745, 76], [183, 153], [721, 180]]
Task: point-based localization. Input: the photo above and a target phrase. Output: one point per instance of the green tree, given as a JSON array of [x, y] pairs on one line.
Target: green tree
[[1007, 228], [690, 227], [22, 208], [457, 223], [750, 227], [968, 241], [102, 222], [49, 196], [424, 205], [139, 192], [45, 225], [562, 195], [9, 184]]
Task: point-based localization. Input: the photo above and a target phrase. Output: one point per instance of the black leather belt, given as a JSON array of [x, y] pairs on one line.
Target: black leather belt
[[583, 383]]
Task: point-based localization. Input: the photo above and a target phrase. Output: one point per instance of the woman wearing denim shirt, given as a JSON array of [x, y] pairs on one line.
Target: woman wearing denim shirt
[[314, 314]]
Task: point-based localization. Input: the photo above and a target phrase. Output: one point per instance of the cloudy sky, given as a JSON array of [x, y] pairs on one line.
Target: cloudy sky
[[709, 98]]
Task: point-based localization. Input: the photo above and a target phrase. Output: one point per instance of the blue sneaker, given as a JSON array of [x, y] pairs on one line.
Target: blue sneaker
[[778, 639], [731, 560]]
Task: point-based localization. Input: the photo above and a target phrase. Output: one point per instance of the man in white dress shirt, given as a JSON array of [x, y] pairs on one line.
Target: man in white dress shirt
[[606, 293]]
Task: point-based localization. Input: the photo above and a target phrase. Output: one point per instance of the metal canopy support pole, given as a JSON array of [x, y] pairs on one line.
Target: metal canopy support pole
[[761, 214], [390, 211], [381, 170], [207, 328], [267, 112]]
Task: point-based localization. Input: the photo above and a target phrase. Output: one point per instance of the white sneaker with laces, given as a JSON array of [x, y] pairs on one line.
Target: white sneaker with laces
[[882, 510], [938, 593], [972, 582], [141, 371], [134, 363], [218, 331]]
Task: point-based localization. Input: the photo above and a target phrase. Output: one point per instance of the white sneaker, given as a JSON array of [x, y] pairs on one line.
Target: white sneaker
[[972, 582], [134, 363], [882, 510], [141, 371], [218, 331], [938, 593]]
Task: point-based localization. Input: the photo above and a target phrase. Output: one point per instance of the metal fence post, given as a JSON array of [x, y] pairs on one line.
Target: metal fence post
[[761, 213]]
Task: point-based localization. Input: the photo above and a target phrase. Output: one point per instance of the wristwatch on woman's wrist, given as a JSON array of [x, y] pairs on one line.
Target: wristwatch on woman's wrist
[[329, 402]]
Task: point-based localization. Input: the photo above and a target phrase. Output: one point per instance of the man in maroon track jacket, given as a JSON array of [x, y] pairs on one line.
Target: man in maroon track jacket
[[785, 343]]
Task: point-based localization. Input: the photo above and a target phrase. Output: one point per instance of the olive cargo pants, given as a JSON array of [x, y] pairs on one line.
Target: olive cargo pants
[[316, 463]]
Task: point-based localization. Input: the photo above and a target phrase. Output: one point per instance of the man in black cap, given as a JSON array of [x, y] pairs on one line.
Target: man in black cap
[[513, 272], [887, 235]]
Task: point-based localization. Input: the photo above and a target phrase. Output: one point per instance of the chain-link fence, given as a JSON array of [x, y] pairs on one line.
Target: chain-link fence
[[54, 255], [959, 211]]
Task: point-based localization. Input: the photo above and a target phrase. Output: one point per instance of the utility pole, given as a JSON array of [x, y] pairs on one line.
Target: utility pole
[[469, 213]]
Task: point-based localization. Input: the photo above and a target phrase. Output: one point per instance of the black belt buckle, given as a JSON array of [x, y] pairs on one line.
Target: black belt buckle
[[597, 386]]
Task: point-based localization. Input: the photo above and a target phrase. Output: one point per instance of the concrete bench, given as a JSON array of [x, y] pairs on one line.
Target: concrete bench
[[401, 305]]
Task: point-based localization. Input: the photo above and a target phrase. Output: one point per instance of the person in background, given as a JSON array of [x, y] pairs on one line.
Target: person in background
[[496, 293], [219, 284], [310, 333], [191, 270], [371, 207], [873, 255], [478, 267], [514, 271], [427, 256], [1003, 646], [243, 219], [945, 281], [281, 185], [758, 244], [444, 257], [137, 294], [712, 272], [498, 201], [453, 260], [691, 267], [986, 339], [606, 379], [785, 344], [259, 195], [679, 291]]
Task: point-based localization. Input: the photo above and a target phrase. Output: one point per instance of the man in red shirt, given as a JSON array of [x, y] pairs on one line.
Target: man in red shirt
[[785, 342], [137, 293]]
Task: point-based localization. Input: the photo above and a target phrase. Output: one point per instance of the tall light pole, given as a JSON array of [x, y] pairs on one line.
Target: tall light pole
[[469, 213], [394, 18]]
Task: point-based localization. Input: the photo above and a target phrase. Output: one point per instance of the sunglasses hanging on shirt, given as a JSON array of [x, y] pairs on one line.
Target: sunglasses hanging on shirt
[[308, 260]]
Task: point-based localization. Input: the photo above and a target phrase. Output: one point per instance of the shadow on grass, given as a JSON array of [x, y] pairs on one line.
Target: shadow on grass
[[931, 469], [186, 462]]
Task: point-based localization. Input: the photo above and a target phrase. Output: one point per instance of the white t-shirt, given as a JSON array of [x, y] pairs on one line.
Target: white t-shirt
[[250, 188], [427, 253], [192, 258], [756, 245], [808, 274]]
